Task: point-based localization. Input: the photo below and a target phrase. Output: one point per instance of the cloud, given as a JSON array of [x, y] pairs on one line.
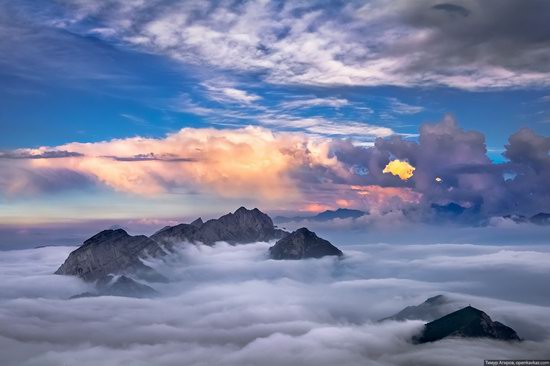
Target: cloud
[[465, 44], [230, 305], [403, 108], [452, 9], [21, 179], [229, 163], [225, 92], [402, 169], [325, 127], [315, 102], [297, 170], [37, 154]]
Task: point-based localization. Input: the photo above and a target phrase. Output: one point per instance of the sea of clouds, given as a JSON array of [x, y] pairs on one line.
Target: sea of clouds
[[231, 305]]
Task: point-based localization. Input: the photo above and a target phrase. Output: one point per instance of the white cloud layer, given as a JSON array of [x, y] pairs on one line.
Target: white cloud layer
[[230, 305], [399, 43]]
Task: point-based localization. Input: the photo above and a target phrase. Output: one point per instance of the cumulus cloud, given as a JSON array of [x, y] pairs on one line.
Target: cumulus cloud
[[233, 163], [230, 305], [464, 44], [453, 177]]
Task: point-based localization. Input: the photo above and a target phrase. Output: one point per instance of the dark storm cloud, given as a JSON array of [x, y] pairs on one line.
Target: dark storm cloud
[[529, 157], [465, 175], [514, 35], [452, 9]]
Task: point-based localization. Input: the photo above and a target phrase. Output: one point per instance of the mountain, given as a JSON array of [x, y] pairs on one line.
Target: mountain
[[108, 252], [115, 252], [119, 286], [540, 219], [301, 244], [467, 322], [198, 222], [433, 308], [341, 213], [243, 226]]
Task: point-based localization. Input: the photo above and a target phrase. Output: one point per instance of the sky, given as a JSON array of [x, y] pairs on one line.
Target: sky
[[146, 112]]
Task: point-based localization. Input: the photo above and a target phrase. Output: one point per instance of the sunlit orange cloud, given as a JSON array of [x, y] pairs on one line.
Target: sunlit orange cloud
[[402, 169], [247, 162]]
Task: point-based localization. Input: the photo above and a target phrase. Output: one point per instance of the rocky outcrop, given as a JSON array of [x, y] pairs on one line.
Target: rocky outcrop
[[119, 286], [198, 222], [302, 244], [243, 226], [433, 308], [115, 252], [111, 252], [467, 322]]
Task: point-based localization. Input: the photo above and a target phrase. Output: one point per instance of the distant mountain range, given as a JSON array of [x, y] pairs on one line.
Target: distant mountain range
[[115, 253], [341, 213], [538, 219]]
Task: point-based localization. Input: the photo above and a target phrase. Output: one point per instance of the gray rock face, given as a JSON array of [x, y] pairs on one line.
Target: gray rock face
[[198, 222], [433, 308], [115, 252], [242, 226], [302, 244], [467, 322], [119, 286], [110, 252]]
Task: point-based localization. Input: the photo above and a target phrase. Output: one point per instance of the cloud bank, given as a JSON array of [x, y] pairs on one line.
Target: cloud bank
[[230, 305], [452, 178]]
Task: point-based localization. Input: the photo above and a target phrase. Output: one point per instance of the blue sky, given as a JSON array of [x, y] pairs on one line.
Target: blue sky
[[85, 87], [89, 72]]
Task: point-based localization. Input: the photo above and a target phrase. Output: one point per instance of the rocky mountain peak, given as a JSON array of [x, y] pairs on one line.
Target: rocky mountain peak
[[467, 322], [433, 308], [110, 251], [301, 244], [198, 222], [242, 226], [106, 235]]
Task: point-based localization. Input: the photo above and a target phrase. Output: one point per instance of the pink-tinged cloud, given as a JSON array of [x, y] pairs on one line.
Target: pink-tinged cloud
[[237, 163], [294, 171], [380, 199]]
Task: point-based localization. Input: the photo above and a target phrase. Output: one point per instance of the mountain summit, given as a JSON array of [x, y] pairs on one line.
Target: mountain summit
[[467, 322], [301, 244], [113, 252], [108, 252], [243, 226], [433, 308]]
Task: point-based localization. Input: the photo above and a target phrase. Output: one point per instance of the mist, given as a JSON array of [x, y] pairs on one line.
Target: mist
[[231, 305]]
